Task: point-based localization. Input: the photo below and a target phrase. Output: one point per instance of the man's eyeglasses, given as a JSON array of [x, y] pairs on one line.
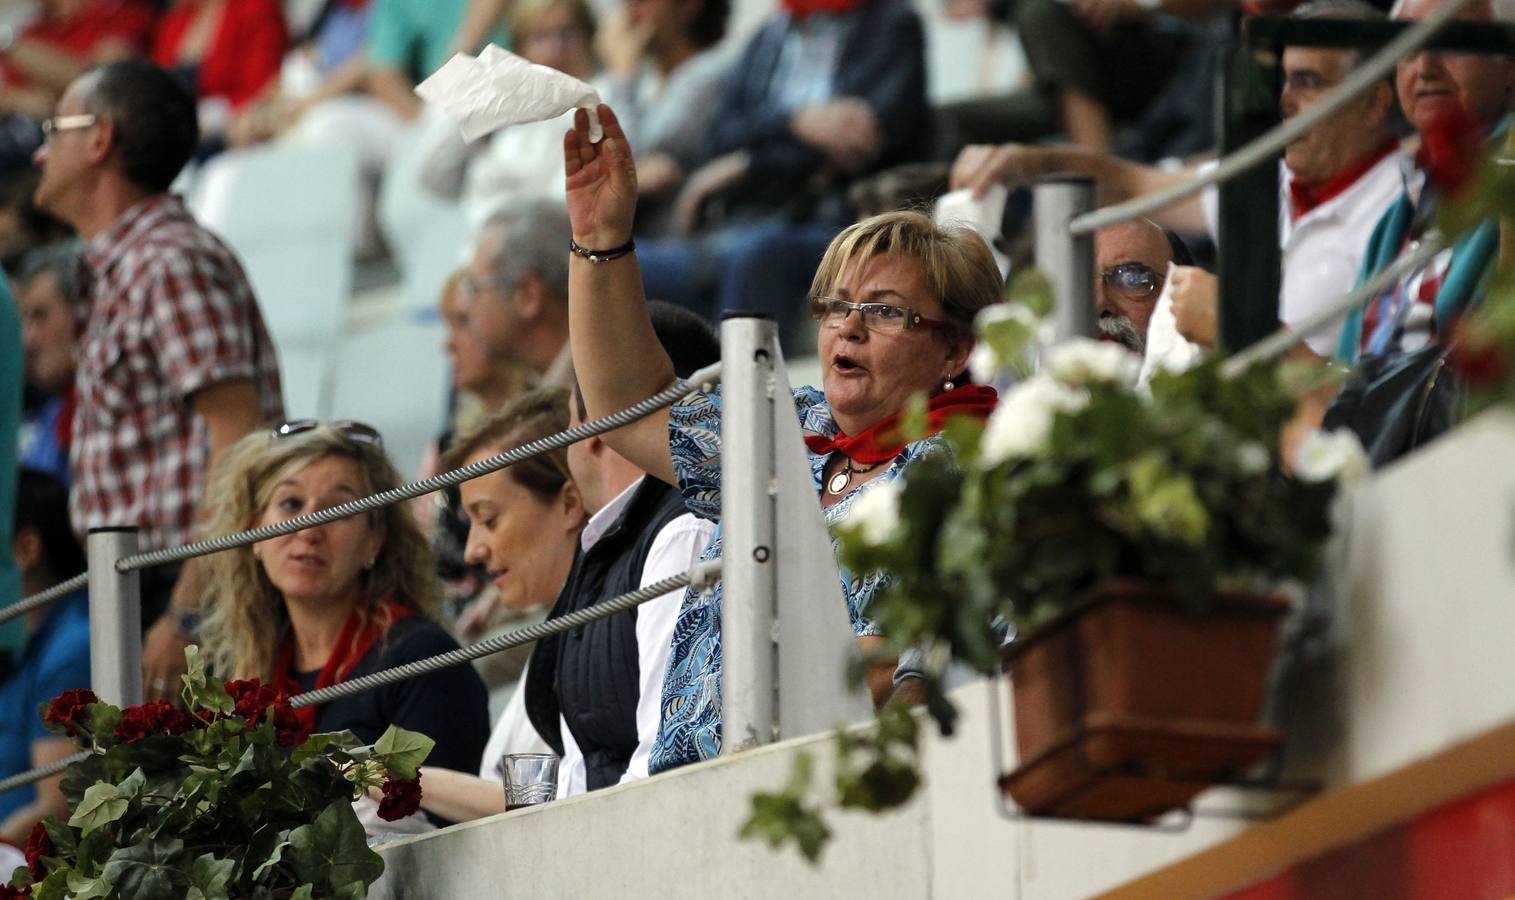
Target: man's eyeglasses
[[1132, 280], [51, 128], [883, 318], [353, 431], [471, 287]]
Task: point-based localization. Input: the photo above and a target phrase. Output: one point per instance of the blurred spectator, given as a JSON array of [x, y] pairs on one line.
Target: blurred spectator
[[10, 426], [663, 75], [597, 698], [39, 60], [24, 226], [226, 52], [52, 306], [1097, 62], [522, 162], [481, 386], [175, 364], [1450, 100], [1334, 184], [55, 658], [517, 289], [339, 601], [1132, 260], [825, 91], [407, 41]]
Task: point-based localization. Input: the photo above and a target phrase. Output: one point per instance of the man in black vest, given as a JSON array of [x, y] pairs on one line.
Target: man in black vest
[[593, 693]]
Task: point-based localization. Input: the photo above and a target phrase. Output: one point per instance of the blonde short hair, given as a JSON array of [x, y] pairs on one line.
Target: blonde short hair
[[958, 267], [527, 418], [244, 615]]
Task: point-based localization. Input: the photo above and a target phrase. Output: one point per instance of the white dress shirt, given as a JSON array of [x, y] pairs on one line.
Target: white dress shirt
[[1323, 249], [676, 548]]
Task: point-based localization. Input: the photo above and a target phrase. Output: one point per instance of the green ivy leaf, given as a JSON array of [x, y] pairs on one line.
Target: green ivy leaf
[[82, 887], [784, 816], [333, 850], [102, 804], [53, 887], [320, 744], [148, 870], [270, 859], [201, 691], [210, 878], [303, 892], [403, 751]]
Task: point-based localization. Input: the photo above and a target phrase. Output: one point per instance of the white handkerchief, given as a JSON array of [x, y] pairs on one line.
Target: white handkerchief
[[983, 215], [498, 88], [1166, 348]]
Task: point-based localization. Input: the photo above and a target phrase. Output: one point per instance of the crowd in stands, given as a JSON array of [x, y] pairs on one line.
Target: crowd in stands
[[789, 171]]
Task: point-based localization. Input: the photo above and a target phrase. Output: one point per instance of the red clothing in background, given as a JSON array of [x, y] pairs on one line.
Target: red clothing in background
[[244, 54], [126, 22]]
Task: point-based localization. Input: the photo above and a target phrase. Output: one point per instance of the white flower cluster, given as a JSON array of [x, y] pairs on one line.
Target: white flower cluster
[[1324, 455], [1082, 361], [1022, 422], [876, 512], [985, 363]]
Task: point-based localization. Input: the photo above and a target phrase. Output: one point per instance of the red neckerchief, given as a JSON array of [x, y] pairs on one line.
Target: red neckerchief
[[358, 636], [882, 441], [802, 8], [1303, 198], [1450, 148]]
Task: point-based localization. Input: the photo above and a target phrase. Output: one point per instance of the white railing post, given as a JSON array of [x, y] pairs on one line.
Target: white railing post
[[748, 345], [115, 618], [1066, 259]]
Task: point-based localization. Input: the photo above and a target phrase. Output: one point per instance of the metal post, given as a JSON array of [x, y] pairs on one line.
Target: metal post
[[1250, 264], [115, 618], [1065, 258], [748, 344]]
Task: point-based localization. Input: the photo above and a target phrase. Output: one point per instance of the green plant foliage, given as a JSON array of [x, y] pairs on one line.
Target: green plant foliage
[[226, 800]]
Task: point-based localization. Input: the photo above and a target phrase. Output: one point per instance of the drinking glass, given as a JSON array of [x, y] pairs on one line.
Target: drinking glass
[[530, 778]]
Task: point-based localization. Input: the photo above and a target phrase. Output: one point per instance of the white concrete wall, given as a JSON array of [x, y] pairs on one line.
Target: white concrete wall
[[1424, 664]]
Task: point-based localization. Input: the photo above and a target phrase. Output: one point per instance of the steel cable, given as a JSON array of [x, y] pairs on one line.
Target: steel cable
[[42, 598]]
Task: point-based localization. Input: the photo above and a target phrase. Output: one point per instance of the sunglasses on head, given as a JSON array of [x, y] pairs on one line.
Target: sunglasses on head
[[353, 431], [1132, 279]]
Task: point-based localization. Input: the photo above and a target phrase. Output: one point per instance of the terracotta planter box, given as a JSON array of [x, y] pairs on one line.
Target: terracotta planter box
[[1127, 706]]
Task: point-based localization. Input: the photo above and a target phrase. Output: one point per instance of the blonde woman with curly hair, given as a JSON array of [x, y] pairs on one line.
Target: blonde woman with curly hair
[[341, 600]]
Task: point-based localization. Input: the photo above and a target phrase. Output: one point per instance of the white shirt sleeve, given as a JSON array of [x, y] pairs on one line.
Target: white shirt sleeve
[[573, 777], [677, 547]]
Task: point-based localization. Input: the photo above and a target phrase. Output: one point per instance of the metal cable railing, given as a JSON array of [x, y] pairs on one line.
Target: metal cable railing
[[1269, 145], [43, 598], [700, 577], [1285, 339], [661, 400]]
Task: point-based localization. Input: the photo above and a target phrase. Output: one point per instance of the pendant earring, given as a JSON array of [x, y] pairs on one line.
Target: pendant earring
[[947, 385]]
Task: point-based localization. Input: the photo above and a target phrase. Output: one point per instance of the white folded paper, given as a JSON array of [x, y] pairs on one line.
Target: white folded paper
[[498, 88], [983, 215], [1167, 349]]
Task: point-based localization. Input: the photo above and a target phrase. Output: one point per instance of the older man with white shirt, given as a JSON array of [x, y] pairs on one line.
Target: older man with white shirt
[[1334, 184]]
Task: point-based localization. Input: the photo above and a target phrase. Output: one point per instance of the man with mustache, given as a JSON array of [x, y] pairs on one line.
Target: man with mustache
[[1131, 260]]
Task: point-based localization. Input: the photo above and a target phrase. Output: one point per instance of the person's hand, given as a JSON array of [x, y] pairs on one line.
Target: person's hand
[[657, 174], [981, 166], [707, 181], [621, 46], [601, 181], [163, 659], [845, 129], [1194, 295]]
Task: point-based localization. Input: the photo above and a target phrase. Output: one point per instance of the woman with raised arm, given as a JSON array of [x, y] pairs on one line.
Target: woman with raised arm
[[895, 296]]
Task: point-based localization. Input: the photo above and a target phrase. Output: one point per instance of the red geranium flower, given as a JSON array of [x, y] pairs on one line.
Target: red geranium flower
[[68, 706], [38, 845], [252, 698], [157, 717], [7, 892], [289, 728], [401, 798]]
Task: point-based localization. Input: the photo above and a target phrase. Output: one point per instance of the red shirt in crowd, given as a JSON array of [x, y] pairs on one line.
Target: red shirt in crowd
[[92, 28], [244, 54]]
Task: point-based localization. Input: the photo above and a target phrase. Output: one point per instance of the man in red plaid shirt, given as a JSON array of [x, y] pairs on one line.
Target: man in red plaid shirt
[[175, 363]]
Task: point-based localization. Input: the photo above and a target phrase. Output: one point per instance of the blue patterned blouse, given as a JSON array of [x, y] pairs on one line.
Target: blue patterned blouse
[[691, 720]]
